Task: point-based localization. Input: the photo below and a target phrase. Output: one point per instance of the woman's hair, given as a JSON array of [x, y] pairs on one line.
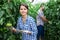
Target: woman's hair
[[23, 4]]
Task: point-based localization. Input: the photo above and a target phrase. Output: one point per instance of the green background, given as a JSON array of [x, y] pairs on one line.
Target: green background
[[9, 13]]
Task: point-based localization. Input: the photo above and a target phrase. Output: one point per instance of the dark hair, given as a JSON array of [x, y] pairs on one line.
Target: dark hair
[[23, 4]]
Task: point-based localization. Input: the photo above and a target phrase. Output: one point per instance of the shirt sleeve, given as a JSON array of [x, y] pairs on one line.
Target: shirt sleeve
[[33, 27], [18, 25]]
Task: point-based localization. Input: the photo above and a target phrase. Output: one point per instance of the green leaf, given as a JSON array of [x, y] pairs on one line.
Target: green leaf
[[1, 21], [1, 13]]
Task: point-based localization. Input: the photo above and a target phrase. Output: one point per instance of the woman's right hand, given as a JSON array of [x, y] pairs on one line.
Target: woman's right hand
[[13, 29]]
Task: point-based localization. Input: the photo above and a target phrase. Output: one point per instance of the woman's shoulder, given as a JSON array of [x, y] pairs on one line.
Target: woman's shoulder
[[31, 18], [19, 18]]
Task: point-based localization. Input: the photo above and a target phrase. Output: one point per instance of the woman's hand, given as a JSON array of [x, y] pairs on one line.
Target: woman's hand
[[29, 33], [49, 22], [13, 29]]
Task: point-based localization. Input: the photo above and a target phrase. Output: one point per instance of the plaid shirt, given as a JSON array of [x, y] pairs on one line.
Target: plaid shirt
[[30, 25]]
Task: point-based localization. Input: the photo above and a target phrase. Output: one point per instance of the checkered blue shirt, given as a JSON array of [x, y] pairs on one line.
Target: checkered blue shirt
[[30, 25]]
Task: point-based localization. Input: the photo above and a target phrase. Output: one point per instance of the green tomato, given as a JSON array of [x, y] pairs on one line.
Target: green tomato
[[9, 24]]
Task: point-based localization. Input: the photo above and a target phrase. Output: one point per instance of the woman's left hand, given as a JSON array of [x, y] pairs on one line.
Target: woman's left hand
[[29, 32]]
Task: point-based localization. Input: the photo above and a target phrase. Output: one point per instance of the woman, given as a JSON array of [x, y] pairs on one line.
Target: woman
[[26, 22]]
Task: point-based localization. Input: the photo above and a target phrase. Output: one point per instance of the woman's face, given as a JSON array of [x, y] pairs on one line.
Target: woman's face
[[23, 10]]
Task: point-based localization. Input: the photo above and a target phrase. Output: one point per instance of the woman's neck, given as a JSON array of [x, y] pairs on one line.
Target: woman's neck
[[24, 17]]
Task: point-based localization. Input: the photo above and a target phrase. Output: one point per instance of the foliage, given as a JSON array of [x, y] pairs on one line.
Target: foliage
[[9, 12], [52, 12]]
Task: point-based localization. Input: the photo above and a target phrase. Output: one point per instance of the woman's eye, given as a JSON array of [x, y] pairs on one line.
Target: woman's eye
[[24, 9], [21, 9]]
